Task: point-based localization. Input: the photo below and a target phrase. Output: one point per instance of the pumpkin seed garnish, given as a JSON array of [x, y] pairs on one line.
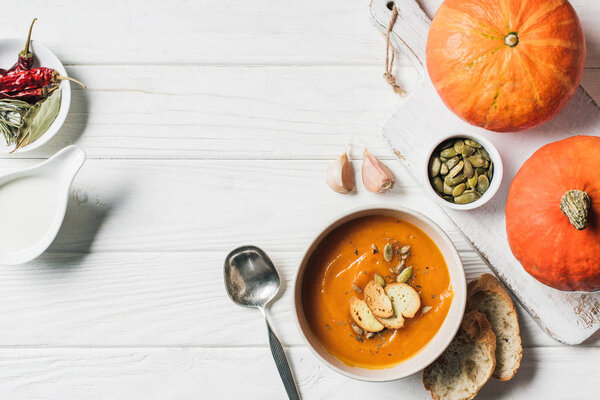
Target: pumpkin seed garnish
[[374, 249], [468, 169], [467, 151], [436, 164], [356, 289], [447, 189], [468, 196], [444, 169], [452, 162], [398, 268], [482, 184], [459, 189], [357, 329], [438, 185], [473, 143], [379, 279], [477, 161], [472, 181], [454, 171], [404, 249], [448, 153], [453, 181], [458, 146], [483, 152], [405, 275], [426, 309], [388, 252], [370, 335]]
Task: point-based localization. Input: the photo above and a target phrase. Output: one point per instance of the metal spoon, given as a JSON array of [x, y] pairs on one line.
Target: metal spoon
[[251, 280]]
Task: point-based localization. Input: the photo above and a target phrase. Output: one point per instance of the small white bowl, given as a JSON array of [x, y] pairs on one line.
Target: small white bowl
[[42, 57], [494, 183], [442, 338]]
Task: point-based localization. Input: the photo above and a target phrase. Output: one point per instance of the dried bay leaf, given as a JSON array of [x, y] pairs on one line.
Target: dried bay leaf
[[39, 119]]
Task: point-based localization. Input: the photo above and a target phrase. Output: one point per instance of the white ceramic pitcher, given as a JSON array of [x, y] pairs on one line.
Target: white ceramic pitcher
[[59, 171]]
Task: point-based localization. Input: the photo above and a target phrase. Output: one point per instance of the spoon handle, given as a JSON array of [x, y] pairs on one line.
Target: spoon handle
[[282, 365]]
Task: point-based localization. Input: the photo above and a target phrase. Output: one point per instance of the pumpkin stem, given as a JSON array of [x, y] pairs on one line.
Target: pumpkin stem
[[511, 39], [575, 204]]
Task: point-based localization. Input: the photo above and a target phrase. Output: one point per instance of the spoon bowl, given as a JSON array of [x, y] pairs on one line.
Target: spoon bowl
[[251, 279]]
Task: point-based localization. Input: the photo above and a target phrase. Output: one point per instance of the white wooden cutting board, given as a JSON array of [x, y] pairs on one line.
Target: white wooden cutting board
[[420, 120]]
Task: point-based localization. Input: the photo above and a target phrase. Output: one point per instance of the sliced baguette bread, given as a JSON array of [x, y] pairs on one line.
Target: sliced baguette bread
[[361, 314], [487, 295], [467, 363], [405, 303], [377, 301]]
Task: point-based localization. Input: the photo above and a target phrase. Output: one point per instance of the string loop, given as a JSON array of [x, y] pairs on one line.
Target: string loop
[[389, 60]]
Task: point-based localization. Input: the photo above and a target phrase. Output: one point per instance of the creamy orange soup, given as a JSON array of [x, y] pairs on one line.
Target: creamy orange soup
[[345, 257]]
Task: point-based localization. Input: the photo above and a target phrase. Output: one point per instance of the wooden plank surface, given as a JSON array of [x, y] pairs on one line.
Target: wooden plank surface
[[233, 112], [209, 125], [219, 32], [224, 374]]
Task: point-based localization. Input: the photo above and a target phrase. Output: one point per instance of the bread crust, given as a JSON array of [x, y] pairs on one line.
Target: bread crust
[[474, 327], [361, 314], [378, 301], [401, 307], [488, 284]]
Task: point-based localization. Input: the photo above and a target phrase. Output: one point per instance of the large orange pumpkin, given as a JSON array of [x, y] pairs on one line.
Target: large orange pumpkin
[[553, 214], [505, 65]]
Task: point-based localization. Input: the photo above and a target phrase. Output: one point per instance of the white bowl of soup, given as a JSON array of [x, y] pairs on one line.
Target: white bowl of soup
[[347, 255]]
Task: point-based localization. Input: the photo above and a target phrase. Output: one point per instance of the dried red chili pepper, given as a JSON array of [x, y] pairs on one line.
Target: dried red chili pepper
[[25, 60], [32, 79], [30, 95]]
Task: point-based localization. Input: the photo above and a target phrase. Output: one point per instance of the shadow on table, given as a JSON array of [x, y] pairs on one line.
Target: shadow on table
[[495, 389], [83, 221], [286, 282], [77, 118]]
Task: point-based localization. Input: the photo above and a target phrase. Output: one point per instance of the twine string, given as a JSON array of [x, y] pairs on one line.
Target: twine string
[[389, 59]]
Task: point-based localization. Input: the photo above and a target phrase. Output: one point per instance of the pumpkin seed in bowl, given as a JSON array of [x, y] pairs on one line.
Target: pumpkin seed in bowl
[[460, 170]]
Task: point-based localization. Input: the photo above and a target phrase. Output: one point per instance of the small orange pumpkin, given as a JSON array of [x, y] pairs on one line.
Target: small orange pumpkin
[[505, 65], [552, 214]]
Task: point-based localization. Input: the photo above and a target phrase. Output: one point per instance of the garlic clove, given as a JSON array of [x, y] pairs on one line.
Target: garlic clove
[[376, 176], [340, 175]]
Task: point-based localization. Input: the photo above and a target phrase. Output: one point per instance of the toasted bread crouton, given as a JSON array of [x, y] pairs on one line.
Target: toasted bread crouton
[[377, 301], [405, 303], [361, 314], [487, 295], [466, 365]]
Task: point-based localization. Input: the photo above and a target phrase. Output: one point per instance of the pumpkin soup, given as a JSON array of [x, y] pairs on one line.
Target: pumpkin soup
[[351, 257]]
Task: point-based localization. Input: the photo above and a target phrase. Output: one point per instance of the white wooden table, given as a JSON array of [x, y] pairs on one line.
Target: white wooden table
[[208, 125]]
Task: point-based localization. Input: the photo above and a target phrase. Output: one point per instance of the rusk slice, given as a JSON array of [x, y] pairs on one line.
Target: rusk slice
[[377, 301], [467, 363], [487, 295], [361, 314], [405, 303]]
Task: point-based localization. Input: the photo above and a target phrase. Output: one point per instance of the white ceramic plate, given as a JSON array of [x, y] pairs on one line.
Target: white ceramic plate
[[42, 57], [442, 338]]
